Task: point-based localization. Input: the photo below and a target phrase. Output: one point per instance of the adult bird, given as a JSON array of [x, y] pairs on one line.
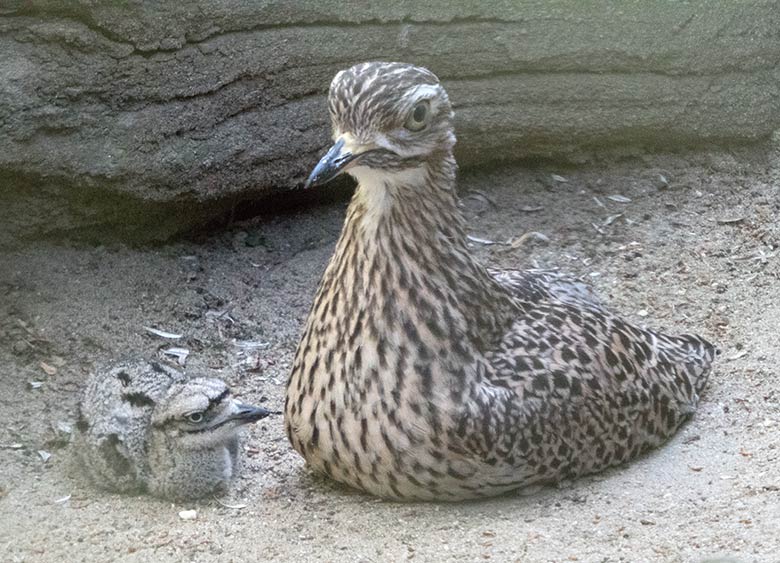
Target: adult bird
[[423, 375]]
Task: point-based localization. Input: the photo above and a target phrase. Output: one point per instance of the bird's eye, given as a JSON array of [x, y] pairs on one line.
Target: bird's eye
[[419, 117], [195, 417]]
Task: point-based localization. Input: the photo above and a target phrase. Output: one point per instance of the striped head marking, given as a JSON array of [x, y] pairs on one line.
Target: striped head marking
[[201, 412], [386, 117]]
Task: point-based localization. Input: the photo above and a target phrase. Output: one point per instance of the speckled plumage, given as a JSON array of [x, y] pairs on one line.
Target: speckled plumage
[[423, 375], [137, 430]]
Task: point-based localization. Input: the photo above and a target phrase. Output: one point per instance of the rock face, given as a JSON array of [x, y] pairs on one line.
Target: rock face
[[120, 115]]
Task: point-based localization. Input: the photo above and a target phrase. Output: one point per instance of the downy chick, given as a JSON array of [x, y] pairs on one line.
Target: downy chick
[[143, 426]]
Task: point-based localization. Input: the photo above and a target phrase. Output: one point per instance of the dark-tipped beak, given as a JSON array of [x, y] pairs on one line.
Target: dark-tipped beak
[[330, 165], [248, 414]]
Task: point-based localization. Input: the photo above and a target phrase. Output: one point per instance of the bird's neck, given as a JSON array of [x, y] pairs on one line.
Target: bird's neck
[[419, 202], [403, 247]]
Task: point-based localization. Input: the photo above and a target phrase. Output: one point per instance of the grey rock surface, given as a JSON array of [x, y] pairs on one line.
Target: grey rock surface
[[143, 118]]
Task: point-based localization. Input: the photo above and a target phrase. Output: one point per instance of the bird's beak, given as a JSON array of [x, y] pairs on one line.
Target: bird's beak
[[332, 164], [246, 414]]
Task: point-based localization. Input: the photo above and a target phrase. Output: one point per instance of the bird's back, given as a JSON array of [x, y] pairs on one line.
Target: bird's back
[[547, 285], [590, 389], [113, 420]]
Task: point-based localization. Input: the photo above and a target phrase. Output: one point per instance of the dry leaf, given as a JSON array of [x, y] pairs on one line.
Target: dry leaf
[[515, 243], [612, 218], [738, 355], [179, 353], [251, 344], [482, 196], [478, 240], [729, 220], [15, 446], [162, 333], [238, 506]]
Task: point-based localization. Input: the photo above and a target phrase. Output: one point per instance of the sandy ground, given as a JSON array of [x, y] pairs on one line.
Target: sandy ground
[[695, 249]]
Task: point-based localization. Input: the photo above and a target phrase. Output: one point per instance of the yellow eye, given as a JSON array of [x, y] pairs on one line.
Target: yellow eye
[[419, 117]]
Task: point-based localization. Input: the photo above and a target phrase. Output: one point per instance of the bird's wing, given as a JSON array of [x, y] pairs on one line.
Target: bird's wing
[[117, 463], [574, 390], [547, 285]]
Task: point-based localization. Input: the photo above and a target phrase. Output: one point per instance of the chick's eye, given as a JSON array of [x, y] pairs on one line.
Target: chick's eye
[[419, 117], [195, 417]]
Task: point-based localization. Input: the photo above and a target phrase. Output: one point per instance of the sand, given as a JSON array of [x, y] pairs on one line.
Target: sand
[[694, 250]]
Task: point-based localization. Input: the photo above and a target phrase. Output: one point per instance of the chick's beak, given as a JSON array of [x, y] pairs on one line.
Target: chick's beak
[[247, 414], [335, 161]]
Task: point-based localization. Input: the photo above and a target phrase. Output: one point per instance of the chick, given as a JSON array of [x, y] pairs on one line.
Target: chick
[[143, 426]]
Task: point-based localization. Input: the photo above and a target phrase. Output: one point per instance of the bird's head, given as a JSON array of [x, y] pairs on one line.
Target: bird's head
[[202, 413], [387, 117]]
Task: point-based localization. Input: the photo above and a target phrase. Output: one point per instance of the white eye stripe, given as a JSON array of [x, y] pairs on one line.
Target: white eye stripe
[[377, 104], [424, 91]]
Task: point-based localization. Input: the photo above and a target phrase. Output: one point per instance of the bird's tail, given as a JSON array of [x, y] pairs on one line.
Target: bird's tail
[[697, 354]]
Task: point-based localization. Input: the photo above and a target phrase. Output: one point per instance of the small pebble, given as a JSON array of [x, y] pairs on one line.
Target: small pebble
[[188, 514]]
